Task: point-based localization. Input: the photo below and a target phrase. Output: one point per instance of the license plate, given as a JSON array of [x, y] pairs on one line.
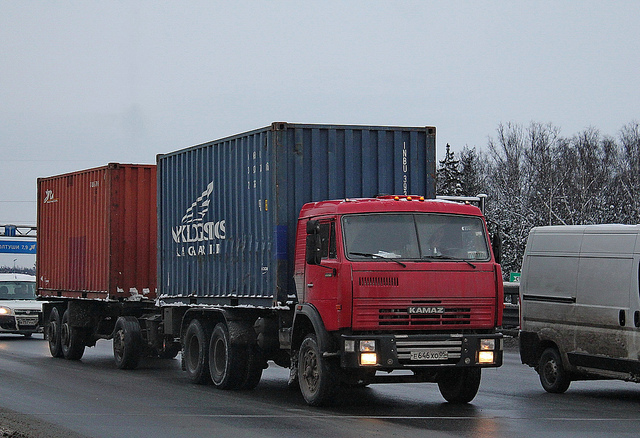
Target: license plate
[[429, 354], [27, 321]]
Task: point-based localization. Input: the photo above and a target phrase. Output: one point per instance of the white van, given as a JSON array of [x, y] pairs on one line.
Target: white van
[[20, 313], [580, 304]]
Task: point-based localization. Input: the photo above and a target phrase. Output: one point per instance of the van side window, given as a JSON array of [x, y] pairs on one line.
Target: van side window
[[328, 238]]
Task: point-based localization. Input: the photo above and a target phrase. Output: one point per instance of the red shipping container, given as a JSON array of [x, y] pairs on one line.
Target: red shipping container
[[97, 233]]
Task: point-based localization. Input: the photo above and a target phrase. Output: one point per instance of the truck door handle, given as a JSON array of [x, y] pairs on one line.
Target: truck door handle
[[310, 285], [622, 318], [636, 318]]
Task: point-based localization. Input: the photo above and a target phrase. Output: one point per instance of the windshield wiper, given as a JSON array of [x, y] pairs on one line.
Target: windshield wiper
[[367, 254], [444, 257]]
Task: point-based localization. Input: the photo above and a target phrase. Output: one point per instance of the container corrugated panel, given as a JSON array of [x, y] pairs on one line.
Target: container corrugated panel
[[97, 233], [228, 209]]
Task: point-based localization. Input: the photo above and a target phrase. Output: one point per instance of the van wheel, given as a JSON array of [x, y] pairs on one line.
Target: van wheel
[[72, 339], [196, 352], [127, 343], [53, 333], [317, 376], [553, 376], [460, 385]]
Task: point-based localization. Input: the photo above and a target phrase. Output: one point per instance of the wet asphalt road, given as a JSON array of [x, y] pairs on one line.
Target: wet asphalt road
[[45, 397]]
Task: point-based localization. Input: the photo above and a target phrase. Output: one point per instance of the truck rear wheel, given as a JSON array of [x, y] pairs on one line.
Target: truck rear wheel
[[72, 339], [127, 343], [460, 385], [196, 352], [553, 376], [255, 365], [317, 376], [227, 363], [53, 333]]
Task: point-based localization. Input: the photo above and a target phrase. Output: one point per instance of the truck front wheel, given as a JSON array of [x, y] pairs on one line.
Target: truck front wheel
[[196, 352], [553, 376], [127, 343], [72, 339], [460, 385], [317, 376], [53, 333]]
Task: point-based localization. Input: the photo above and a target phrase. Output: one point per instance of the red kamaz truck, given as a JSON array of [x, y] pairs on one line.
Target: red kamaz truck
[[273, 245]]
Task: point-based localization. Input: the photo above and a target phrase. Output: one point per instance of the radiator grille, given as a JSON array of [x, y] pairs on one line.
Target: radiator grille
[[378, 281], [460, 313], [401, 316]]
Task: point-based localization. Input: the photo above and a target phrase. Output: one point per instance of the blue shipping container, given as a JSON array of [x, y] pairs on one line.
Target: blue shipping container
[[227, 210]]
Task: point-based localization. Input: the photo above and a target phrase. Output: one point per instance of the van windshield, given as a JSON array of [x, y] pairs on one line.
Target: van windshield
[[414, 236], [17, 290]]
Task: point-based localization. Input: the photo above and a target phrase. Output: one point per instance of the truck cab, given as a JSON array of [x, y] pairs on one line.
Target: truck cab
[[397, 283]]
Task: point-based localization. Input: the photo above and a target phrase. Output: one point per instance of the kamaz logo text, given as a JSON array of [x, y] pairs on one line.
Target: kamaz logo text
[[425, 310]]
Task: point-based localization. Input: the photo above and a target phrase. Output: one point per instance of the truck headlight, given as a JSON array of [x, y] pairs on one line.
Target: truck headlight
[[367, 346], [5, 311], [368, 359], [350, 346], [487, 344], [485, 357]]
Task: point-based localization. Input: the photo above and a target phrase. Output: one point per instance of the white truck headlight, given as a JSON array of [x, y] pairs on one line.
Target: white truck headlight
[[487, 344], [367, 346]]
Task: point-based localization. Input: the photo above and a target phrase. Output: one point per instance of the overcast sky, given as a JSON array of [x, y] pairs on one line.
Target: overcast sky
[[85, 83]]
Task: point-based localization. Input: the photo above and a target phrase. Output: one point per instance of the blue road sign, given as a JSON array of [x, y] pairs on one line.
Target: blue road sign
[[17, 247]]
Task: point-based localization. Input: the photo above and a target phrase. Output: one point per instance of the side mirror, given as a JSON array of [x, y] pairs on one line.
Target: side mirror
[[496, 243], [314, 249], [313, 227], [314, 243]]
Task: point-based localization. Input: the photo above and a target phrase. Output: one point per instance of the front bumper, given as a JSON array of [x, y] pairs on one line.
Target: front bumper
[[396, 352], [21, 324]]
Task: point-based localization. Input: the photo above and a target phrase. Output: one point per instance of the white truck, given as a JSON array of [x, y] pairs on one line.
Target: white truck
[[580, 304]]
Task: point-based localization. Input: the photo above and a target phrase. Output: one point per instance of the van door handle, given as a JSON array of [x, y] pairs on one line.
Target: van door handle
[[622, 318], [636, 318], [310, 285]]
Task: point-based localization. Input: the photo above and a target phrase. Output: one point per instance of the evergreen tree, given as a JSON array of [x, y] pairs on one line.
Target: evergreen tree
[[471, 172], [449, 177]]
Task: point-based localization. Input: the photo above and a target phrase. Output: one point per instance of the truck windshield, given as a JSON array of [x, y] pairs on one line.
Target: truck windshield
[[414, 236], [17, 290]]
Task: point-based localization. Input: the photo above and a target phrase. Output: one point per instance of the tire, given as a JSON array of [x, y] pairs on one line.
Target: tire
[[460, 385], [53, 333], [196, 352], [227, 363], [553, 376], [317, 376], [127, 343], [255, 365], [71, 339]]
